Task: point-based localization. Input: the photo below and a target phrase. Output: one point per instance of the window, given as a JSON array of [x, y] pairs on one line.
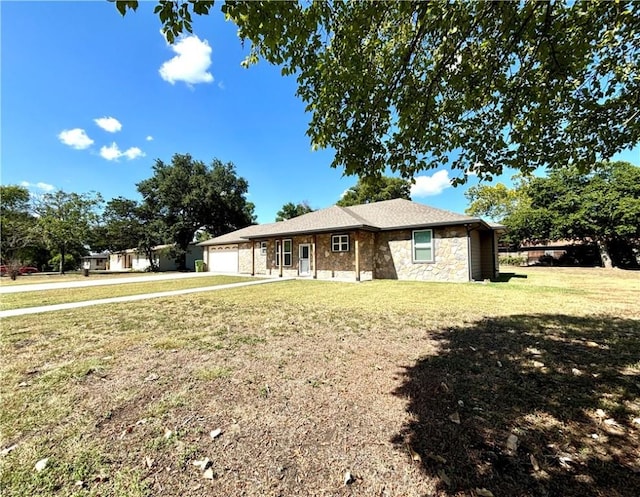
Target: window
[[288, 245], [340, 243], [423, 246], [263, 248]]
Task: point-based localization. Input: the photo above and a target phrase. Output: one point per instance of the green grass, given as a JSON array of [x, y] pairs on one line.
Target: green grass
[[59, 296], [309, 378]]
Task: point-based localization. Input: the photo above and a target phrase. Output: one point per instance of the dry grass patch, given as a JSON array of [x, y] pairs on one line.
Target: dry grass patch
[[33, 278], [307, 380], [63, 295]]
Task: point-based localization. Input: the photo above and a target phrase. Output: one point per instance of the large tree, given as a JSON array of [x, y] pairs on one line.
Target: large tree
[[128, 224], [17, 224], [65, 220], [187, 195], [601, 207], [291, 210], [475, 85], [375, 189], [495, 202]]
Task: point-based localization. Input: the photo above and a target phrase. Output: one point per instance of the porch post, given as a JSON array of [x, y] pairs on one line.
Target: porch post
[[315, 259], [281, 257], [357, 238], [253, 258]]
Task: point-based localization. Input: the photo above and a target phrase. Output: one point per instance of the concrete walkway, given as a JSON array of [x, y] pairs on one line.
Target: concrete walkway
[[130, 298], [36, 287]]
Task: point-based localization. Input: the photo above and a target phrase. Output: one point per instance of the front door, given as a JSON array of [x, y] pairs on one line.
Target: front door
[[304, 266]]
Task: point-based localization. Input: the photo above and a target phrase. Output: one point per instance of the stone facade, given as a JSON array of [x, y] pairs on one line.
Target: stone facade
[[330, 264], [383, 255], [394, 257]]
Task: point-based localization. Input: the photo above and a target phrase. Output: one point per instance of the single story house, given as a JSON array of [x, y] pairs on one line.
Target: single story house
[[96, 261], [393, 239], [136, 260]]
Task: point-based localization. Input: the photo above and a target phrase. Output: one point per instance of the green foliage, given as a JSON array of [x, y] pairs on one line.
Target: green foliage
[[412, 85], [376, 189], [65, 220], [511, 260], [71, 263], [18, 238], [127, 224], [291, 210], [186, 196], [495, 202], [602, 207]]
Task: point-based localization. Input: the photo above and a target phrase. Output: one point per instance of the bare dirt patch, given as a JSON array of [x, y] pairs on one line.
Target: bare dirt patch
[[308, 381]]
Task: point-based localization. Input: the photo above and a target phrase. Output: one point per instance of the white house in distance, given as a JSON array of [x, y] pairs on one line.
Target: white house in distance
[[96, 261], [136, 260]]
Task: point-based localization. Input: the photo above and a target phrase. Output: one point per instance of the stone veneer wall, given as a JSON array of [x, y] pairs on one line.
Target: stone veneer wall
[[331, 265], [394, 258], [244, 258]]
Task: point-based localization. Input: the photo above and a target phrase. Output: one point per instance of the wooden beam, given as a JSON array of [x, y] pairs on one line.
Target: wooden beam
[[281, 261], [315, 258], [253, 258], [357, 247]]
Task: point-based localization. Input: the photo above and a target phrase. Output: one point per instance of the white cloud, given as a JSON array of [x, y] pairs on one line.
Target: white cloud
[[110, 124], [191, 62], [221, 85], [113, 152], [149, 138], [76, 138], [133, 153], [426, 186], [45, 187]]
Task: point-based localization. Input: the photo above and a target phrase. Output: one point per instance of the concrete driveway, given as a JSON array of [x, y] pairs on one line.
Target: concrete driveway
[[36, 287], [129, 298]]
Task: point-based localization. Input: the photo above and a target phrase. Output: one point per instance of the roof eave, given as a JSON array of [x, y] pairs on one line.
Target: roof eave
[[313, 231]]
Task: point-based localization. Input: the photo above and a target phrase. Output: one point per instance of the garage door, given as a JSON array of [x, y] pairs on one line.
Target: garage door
[[223, 261]]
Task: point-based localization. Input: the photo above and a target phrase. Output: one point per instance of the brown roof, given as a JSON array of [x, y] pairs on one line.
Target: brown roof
[[240, 235], [385, 215]]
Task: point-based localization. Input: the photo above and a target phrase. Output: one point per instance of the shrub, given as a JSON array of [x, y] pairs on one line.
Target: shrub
[[512, 260], [70, 262]]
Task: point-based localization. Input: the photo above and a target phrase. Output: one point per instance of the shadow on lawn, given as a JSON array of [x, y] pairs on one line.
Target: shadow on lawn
[[568, 388]]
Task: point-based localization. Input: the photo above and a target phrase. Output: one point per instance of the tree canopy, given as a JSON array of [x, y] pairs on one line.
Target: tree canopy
[[65, 220], [495, 202], [128, 224], [291, 210], [375, 189], [187, 195], [17, 223], [473, 85], [601, 207]]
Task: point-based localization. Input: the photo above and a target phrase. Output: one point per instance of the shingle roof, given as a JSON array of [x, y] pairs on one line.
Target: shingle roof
[[385, 215], [240, 235], [401, 213]]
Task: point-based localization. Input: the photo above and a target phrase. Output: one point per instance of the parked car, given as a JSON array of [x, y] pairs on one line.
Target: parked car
[[22, 270], [28, 270]]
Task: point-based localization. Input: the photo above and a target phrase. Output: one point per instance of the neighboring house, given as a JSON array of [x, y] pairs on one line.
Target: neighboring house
[[560, 252], [394, 239], [136, 260], [96, 261]]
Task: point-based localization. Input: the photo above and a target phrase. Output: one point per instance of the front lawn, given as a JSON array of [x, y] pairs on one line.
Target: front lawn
[[526, 387], [21, 300]]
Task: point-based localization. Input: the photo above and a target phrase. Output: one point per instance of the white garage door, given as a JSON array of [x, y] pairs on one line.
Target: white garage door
[[223, 261]]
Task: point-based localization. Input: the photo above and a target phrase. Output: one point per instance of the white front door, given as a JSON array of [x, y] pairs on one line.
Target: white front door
[[304, 266]]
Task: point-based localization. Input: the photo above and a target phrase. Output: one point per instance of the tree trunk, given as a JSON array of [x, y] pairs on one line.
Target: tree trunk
[[181, 261], [604, 254], [62, 254], [151, 258]]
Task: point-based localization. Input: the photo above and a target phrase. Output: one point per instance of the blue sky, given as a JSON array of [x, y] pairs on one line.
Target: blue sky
[[89, 101]]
